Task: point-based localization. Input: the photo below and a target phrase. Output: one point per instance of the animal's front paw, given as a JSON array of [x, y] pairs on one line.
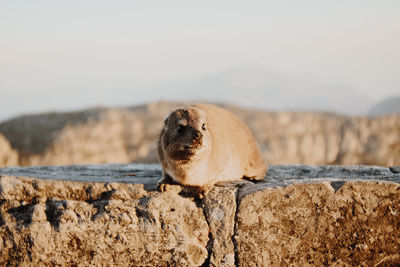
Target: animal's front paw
[[162, 186], [167, 184], [201, 191]]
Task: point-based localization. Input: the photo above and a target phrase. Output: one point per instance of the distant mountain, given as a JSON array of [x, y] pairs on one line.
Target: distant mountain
[[385, 107], [257, 87]]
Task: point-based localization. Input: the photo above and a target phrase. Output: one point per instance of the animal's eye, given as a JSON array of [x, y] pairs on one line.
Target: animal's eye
[[203, 127], [180, 129]]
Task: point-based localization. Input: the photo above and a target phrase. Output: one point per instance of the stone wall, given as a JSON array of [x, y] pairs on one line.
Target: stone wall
[[113, 215]]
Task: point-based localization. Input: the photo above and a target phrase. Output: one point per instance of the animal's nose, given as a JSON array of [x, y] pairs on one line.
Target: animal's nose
[[197, 135]]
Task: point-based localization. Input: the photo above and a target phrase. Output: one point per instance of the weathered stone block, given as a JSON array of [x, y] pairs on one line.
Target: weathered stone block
[[336, 221], [75, 223], [220, 210]]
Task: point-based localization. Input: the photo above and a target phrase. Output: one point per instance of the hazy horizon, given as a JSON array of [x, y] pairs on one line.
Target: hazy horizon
[[73, 55]]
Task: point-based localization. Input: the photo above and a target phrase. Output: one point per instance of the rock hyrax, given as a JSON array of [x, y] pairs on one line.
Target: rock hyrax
[[202, 144]]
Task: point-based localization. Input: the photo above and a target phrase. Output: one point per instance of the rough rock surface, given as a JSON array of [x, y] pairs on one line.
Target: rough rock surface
[[97, 215], [314, 225], [220, 214], [129, 135], [75, 223], [8, 156]]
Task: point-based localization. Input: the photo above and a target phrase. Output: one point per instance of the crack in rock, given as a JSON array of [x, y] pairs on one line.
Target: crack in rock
[[101, 202], [23, 214], [54, 210]]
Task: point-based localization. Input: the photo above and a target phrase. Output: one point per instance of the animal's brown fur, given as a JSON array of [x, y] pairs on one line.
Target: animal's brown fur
[[224, 151]]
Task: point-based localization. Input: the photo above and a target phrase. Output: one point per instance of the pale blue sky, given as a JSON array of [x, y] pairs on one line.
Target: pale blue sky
[[60, 55]]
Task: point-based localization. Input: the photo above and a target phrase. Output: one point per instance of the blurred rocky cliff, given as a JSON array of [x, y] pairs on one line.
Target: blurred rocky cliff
[[124, 135]]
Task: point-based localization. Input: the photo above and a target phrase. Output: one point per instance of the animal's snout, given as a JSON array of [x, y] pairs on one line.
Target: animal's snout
[[197, 135]]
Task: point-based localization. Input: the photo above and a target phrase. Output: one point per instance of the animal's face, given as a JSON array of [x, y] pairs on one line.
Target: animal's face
[[185, 133]]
